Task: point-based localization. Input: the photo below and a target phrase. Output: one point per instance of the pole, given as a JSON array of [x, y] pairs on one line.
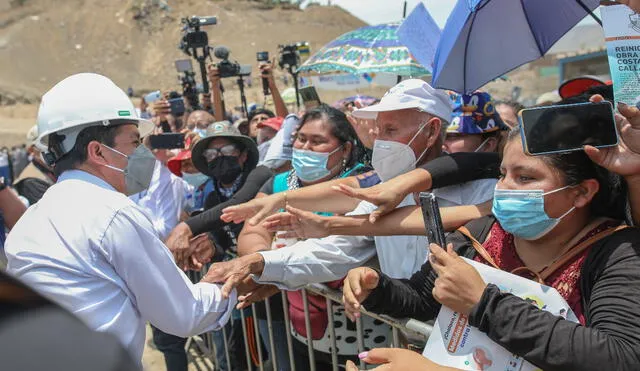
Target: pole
[[404, 12], [243, 98], [295, 85], [586, 9]]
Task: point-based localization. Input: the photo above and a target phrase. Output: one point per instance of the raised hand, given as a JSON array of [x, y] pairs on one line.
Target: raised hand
[[459, 285], [296, 223], [357, 286], [385, 195], [255, 210], [623, 159]]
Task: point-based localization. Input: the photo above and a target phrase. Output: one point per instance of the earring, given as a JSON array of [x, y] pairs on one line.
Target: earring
[[344, 162]]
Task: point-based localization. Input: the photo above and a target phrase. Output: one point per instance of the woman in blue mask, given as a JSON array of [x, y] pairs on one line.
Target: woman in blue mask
[[326, 147], [558, 220]]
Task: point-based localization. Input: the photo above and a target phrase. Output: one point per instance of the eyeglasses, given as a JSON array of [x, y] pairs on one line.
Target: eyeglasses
[[211, 154]]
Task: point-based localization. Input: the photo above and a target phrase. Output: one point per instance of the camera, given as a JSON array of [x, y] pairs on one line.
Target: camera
[[192, 37], [226, 68], [290, 54]]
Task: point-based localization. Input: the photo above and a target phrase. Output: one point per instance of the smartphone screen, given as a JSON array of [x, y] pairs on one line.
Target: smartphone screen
[[565, 128], [166, 141], [432, 220], [152, 97], [262, 56], [184, 65], [177, 106], [309, 97]]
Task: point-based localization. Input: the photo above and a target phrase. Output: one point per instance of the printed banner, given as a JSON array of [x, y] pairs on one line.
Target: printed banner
[[622, 35], [455, 343]]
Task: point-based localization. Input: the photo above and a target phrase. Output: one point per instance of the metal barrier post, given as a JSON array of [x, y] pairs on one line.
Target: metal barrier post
[[246, 341], [332, 334], [396, 337], [272, 343], [226, 347], [257, 332], [307, 325], [360, 340], [287, 326]]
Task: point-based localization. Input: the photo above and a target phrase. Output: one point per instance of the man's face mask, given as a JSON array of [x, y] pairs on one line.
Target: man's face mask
[[139, 170], [391, 158]]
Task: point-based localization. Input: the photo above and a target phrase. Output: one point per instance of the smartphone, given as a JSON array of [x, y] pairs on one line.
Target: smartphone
[[184, 65], [166, 141], [177, 106], [432, 219], [309, 97], [152, 97], [567, 128], [262, 56]]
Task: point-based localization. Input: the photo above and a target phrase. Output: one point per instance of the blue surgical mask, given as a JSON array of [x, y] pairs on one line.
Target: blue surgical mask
[[311, 166], [201, 132], [521, 212], [196, 179]]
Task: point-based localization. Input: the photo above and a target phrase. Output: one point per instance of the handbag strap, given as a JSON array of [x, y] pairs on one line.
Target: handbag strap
[[578, 249], [478, 246], [547, 271]]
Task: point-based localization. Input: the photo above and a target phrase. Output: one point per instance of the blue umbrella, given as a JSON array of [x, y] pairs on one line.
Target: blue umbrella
[[484, 39]]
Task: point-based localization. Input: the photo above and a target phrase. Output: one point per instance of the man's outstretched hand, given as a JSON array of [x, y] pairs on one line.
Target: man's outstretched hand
[[234, 272]]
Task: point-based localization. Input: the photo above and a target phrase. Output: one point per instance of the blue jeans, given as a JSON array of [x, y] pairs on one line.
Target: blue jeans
[[172, 347], [279, 341]]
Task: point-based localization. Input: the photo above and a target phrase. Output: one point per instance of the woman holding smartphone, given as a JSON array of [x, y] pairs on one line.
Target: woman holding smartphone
[[558, 220]]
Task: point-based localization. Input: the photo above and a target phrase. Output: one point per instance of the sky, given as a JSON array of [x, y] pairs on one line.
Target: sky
[[385, 11]]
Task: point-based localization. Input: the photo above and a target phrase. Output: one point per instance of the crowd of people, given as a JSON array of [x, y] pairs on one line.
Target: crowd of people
[[106, 226]]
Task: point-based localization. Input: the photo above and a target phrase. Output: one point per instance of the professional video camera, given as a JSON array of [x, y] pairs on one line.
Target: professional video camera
[[192, 37], [195, 43], [290, 54], [226, 68]]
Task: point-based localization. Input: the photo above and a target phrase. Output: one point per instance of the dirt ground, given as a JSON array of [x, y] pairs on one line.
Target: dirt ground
[[153, 360]]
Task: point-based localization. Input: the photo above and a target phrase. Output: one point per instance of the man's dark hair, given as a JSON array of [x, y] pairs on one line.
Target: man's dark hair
[[258, 111], [78, 154]]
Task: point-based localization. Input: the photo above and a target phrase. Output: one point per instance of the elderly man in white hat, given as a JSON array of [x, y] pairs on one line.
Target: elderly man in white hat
[[85, 244], [411, 121]]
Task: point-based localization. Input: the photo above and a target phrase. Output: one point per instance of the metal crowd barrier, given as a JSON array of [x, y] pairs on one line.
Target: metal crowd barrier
[[206, 345]]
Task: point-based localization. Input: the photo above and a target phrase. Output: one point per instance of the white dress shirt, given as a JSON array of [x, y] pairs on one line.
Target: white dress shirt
[[330, 258], [93, 251], [165, 199]]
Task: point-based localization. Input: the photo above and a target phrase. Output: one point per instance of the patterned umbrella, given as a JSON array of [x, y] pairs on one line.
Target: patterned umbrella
[[366, 50], [366, 100]]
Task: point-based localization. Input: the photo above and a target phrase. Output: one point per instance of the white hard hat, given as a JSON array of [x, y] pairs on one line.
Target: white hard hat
[[80, 101], [32, 135]]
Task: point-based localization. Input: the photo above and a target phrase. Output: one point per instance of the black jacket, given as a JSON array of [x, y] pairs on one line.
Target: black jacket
[[610, 286]]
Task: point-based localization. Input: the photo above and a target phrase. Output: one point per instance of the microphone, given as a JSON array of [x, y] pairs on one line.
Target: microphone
[[221, 52]]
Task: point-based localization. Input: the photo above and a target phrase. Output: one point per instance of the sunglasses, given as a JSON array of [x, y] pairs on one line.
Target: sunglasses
[[211, 154]]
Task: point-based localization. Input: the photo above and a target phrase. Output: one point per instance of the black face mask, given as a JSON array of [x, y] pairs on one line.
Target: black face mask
[[225, 168]]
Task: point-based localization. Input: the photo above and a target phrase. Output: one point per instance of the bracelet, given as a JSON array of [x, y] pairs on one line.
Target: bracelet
[[285, 200]]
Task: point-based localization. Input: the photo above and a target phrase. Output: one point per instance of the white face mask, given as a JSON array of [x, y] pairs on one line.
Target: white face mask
[[391, 158]]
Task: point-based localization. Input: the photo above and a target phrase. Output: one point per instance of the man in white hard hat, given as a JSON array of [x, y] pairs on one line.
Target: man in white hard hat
[[85, 244]]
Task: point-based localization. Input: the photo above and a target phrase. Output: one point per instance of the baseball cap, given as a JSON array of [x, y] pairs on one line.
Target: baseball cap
[[175, 163], [474, 113], [274, 123], [410, 94], [577, 86]]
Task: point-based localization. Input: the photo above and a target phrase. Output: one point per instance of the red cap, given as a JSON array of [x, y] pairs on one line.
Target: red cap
[[577, 86], [274, 123], [175, 163]]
